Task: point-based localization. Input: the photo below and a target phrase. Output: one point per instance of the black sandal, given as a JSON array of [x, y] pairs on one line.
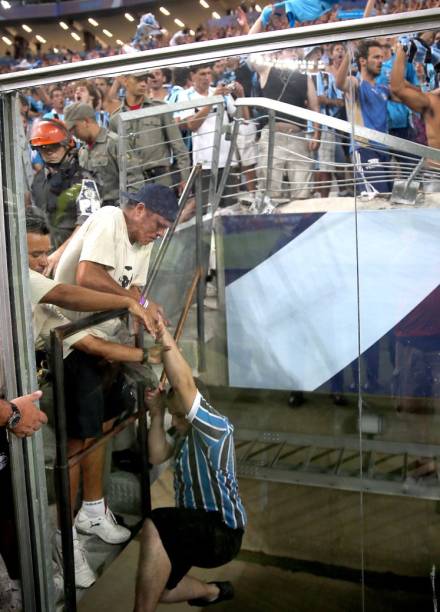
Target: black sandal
[[226, 592]]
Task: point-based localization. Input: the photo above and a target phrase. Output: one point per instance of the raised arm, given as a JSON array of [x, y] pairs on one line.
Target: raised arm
[[177, 369], [159, 449], [404, 91], [369, 7], [343, 80]]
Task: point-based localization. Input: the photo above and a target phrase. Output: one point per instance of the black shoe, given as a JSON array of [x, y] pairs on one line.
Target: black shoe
[[296, 399], [226, 592]]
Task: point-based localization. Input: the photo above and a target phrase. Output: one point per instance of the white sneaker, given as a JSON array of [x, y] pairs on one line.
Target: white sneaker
[[105, 527], [84, 575]]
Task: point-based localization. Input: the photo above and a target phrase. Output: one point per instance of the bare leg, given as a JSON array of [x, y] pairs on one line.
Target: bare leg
[[93, 468], [251, 178], [74, 447], [153, 570], [190, 588]]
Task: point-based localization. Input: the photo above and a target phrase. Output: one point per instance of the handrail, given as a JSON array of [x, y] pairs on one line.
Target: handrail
[[383, 25], [343, 126]]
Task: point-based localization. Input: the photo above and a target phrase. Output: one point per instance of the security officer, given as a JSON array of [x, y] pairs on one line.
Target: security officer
[[156, 139], [98, 154], [61, 189]]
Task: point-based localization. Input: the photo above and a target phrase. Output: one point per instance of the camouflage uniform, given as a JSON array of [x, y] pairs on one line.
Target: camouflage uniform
[[101, 162], [156, 140]]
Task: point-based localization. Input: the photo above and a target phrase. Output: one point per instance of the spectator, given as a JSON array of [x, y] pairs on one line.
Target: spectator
[[56, 97], [428, 104], [157, 82], [109, 103], [156, 139], [56, 188], [91, 406], [292, 150], [111, 251], [206, 527], [370, 108], [98, 154], [201, 122]]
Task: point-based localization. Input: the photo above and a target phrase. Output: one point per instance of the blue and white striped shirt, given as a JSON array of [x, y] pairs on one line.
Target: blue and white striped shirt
[[205, 474]]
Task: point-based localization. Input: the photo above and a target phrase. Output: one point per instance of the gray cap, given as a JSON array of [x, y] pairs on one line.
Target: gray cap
[[76, 111]]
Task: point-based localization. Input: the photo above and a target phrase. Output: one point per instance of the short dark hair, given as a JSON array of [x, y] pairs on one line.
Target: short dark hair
[[36, 222], [363, 49], [54, 89], [196, 67], [180, 76]]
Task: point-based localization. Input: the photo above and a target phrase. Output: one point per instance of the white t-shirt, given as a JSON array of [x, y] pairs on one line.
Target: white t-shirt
[[103, 239], [46, 317], [203, 138]]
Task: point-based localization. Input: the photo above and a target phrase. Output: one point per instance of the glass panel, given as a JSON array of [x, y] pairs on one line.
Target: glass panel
[[305, 264], [397, 203]]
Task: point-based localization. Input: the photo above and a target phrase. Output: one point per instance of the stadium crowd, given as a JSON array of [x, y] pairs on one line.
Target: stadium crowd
[[71, 164]]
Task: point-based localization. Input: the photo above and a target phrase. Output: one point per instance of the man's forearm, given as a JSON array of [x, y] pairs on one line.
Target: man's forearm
[[159, 449], [94, 276], [197, 120], [111, 351], [177, 370], [397, 77], [73, 297], [341, 75]]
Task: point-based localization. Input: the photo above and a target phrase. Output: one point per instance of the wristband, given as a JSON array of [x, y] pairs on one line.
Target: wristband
[[144, 302]]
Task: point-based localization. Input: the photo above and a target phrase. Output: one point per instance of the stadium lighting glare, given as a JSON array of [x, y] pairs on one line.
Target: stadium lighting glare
[[192, 32], [41, 39], [56, 50], [107, 33], [258, 8], [204, 3], [164, 11], [7, 41], [64, 25], [128, 17], [216, 15], [75, 36], [179, 23], [26, 28], [93, 22], [5, 4], [119, 42]]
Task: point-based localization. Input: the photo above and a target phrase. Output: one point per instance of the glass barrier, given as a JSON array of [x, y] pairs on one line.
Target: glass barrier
[[311, 225]]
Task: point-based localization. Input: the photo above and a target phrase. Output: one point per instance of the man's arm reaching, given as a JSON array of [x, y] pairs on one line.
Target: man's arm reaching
[[82, 299], [177, 370], [404, 91]]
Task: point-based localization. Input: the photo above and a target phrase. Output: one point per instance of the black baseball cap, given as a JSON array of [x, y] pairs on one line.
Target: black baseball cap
[[157, 198]]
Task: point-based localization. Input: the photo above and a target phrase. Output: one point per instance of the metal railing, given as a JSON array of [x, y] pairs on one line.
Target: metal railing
[[384, 25]]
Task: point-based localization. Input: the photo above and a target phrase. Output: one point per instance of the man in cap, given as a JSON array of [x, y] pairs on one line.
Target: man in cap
[[111, 251], [155, 138], [99, 152]]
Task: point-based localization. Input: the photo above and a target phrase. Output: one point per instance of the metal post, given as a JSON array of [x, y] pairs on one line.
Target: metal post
[[270, 152], [201, 284], [62, 480], [122, 158], [227, 167], [216, 153]]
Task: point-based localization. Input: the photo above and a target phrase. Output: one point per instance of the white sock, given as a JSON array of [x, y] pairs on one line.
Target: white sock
[[94, 508]]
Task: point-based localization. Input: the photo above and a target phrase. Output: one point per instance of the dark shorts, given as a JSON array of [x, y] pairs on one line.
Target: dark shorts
[[92, 395], [374, 170], [194, 538]]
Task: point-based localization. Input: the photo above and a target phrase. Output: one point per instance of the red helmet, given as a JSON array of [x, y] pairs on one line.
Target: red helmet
[[51, 131]]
